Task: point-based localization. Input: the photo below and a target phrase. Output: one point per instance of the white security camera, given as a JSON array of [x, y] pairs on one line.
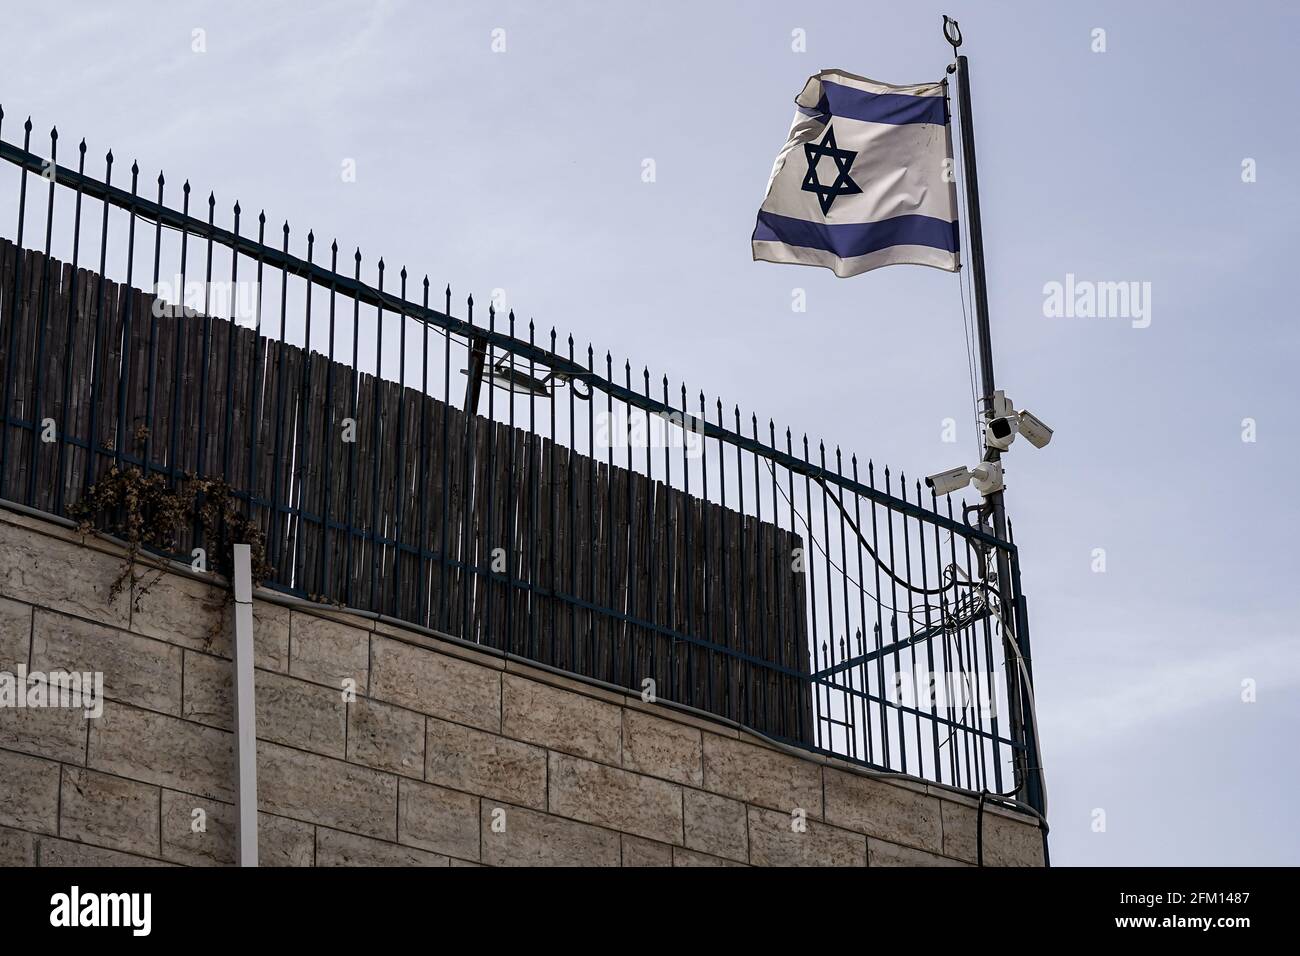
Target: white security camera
[[987, 476], [1035, 430], [946, 482], [1000, 432]]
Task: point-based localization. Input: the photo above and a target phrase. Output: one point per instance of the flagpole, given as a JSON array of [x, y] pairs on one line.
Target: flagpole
[[1027, 761]]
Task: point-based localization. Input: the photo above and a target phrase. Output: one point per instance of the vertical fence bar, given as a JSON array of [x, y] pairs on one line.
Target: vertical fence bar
[[200, 453], [328, 436], [97, 360], [376, 443], [128, 297], [401, 457], [152, 365], [16, 308], [35, 416], [534, 481], [254, 377], [298, 573], [353, 388], [673, 620], [227, 465], [421, 593], [724, 569], [279, 515], [446, 467], [512, 557], [178, 359], [64, 476], [490, 543]]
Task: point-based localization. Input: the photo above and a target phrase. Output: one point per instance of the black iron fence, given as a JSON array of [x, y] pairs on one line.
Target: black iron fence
[[574, 512]]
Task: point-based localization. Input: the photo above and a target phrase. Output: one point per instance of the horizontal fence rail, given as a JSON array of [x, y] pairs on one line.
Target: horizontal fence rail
[[505, 488]]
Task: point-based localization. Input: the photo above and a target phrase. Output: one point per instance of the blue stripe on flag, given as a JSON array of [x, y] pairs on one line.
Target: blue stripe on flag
[[896, 109], [857, 238]]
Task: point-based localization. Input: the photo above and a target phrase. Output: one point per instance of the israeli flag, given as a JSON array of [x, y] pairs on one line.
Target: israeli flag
[[865, 179]]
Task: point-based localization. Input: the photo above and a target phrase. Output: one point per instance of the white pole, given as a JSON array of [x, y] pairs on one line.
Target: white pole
[[245, 710]]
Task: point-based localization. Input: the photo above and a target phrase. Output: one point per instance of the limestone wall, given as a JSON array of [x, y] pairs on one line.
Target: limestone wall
[[443, 756]]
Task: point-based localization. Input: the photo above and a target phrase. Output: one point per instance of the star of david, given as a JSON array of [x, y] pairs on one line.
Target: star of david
[[843, 159]]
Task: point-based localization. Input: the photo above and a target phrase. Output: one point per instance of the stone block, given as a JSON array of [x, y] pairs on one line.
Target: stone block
[[883, 810], [435, 684], [684, 857], [487, 764], [17, 848], [186, 611], [386, 737], [280, 842], [618, 799], [716, 825], [29, 792], [109, 811], [639, 852], [47, 570], [137, 670], [328, 652], [327, 792], [1007, 841], [167, 751], [773, 841], [52, 852], [436, 819], [55, 732], [880, 853], [662, 748], [755, 774], [529, 838], [560, 719], [336, 848], [15, 634]]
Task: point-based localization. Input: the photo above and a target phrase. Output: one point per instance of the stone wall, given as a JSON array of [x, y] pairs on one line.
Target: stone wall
[[443, 757]]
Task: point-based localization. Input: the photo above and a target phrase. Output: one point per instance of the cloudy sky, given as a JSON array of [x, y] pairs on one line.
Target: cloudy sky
[[522, 169]]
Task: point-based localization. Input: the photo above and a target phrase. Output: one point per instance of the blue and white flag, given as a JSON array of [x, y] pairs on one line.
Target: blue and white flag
[[865, 179]]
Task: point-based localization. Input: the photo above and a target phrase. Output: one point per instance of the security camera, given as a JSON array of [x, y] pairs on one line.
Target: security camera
[[1000, 432], [1034, 429], [987, 476], [946, 482]]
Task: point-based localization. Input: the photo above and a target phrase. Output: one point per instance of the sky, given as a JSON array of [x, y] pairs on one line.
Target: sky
[[1153, 530]]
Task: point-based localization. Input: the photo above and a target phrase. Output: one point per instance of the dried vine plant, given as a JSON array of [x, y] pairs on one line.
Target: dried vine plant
[[146, 512]]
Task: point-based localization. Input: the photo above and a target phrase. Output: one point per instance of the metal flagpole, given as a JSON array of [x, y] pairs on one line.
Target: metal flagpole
[[1027, 760]]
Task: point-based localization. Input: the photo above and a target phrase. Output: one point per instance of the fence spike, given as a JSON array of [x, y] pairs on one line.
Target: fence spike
[[54, 133], [28, 125], [82, 147]]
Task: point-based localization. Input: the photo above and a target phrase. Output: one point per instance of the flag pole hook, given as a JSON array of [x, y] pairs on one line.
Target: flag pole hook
[[951, 33]]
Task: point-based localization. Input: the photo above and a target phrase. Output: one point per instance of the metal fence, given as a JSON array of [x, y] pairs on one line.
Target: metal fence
[[574, 511]]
